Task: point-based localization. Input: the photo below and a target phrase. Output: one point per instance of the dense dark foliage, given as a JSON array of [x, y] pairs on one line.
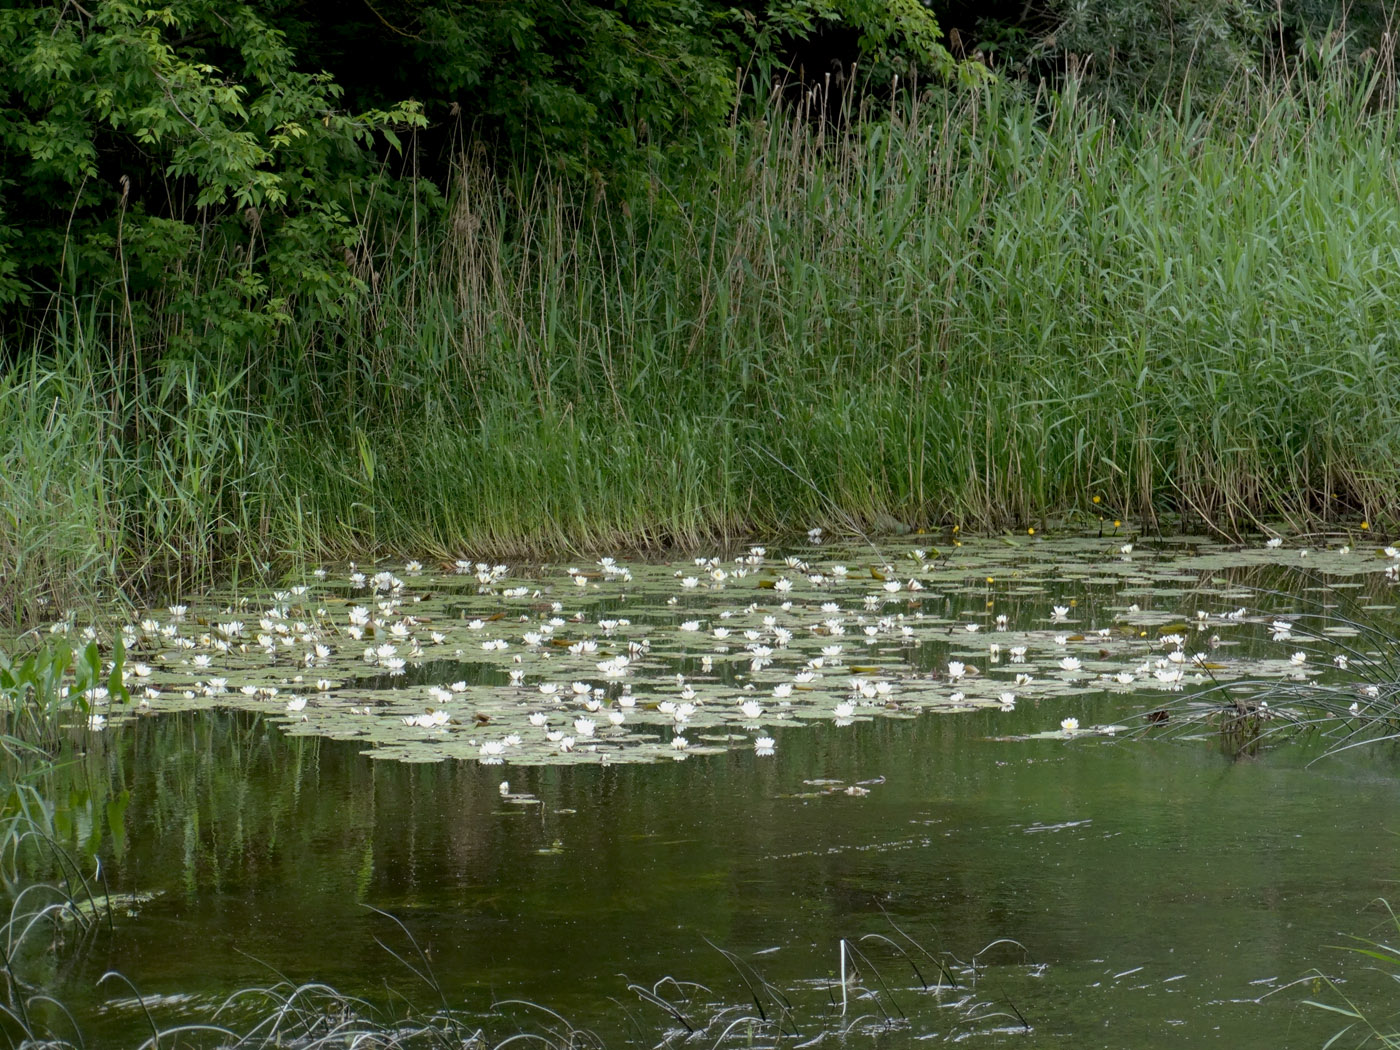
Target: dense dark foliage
[[207, 168], [1141, 49]]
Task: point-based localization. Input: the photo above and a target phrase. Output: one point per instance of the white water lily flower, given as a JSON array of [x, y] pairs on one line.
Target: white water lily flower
[[751, 709], [584, 726], [956, 669], [296, 703], [1070, 663], [1298, 659], [1273, 542], [845, 709], [763, 745], [1007, 701], [1340, 660], [1069, 725], [680, 743]]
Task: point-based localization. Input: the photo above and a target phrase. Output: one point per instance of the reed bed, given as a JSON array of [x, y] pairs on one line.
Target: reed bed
[[983, 307]]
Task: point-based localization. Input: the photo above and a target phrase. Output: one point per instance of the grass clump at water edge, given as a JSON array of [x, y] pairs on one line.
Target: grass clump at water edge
[[1362, 1029]]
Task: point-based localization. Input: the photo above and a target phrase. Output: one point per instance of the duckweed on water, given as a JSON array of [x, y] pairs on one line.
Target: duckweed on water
[[618, 662]]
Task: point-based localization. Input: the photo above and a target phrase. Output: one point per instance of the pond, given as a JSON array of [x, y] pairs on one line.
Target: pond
[[1124, 882]]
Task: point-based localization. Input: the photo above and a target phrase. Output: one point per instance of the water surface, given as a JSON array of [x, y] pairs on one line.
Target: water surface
[[1160, 889]]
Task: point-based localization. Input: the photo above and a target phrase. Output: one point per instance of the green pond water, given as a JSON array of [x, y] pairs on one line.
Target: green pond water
[[1163, 887]]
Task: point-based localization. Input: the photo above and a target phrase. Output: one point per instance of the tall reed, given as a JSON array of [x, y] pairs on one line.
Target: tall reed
[[979, 307]]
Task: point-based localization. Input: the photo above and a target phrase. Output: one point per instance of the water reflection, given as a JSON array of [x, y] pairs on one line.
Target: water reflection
[[1151, 884]]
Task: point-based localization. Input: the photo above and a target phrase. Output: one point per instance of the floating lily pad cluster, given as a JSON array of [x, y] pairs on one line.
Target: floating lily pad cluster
[[642, 661]]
